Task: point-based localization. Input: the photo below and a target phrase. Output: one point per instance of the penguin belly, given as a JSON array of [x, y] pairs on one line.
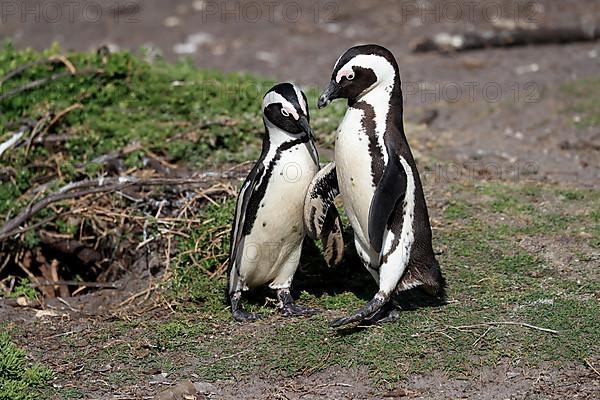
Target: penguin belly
[[271, 251], [355, 179]]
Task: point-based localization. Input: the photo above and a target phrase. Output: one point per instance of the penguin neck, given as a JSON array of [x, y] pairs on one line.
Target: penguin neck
[[276, 135], [386, 101], [387, 92], [277, 140]]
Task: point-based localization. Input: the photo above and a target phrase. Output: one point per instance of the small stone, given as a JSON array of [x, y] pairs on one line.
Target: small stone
[[199, 5], [524, 69], [185, 48], [44, 313], [266, 56], [200, 38], [172, 21], [183, 390], [205, 387], [22, 301]]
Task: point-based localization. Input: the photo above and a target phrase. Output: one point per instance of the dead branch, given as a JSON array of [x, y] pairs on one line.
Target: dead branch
[[95, 186], [58, 59], [62, 113], [448, 43], [97, 285], [43, 81], [589, 364], [15, 138], [496, 323], [36, 130], [85, 254], [46, 123]]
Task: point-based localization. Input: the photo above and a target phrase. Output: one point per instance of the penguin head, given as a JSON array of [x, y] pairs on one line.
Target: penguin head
[[358, 71], [286, 107]]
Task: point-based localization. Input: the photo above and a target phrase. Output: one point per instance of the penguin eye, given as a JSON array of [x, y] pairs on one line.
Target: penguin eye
[[285, 112], [350, 76]]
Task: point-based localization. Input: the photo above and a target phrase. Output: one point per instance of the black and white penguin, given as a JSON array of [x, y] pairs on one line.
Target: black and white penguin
[[268, 230], [379, 181]]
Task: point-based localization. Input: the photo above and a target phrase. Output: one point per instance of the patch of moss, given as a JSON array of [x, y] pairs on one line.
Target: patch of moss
[[457, 210], [200, 255], [24, 289], [19, 379], [192, 117]]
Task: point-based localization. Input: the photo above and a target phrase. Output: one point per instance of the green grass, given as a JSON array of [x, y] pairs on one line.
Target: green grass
[[492, 280], [493, 277], [19, 379], [457, 210], [188, 116], [206, 250], [23, 289]]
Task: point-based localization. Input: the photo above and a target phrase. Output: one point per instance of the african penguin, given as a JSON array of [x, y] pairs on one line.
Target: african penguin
[[268, 230], [379, 181]]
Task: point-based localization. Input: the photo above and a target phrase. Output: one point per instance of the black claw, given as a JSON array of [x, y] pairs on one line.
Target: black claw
[[294, 310], [237, 310], [388, 313], [367, 311], [288, 308], [384, 316], [392, 316], [245, 316], [339, 322]]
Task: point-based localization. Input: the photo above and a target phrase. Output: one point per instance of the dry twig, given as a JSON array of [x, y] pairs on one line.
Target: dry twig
[[43, 81], [57, 59], [589, 364], [87, 187], [495, 323], [14, 139], [75, 283]]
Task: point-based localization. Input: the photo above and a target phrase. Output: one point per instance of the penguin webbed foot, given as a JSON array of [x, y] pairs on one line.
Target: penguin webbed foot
[[242, 315], [384, 316], [368, 311], [288, 308], [295, 310], [237, 310]]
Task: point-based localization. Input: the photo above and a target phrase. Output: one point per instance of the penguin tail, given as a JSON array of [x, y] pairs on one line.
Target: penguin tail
[[434, 282]]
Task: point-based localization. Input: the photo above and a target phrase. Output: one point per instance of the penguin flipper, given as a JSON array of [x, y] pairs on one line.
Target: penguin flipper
[[247, 191], [390, 189], [321, 218]]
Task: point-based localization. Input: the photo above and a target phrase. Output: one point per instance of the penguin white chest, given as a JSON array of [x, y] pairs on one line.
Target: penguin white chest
[[272, 250], [354, 173]]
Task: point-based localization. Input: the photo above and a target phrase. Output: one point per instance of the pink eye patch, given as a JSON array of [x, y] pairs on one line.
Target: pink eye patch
[[292, 111], [343, 73]]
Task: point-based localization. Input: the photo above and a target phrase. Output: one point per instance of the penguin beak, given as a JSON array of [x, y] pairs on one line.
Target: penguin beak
[[331, 93], [303, 122]]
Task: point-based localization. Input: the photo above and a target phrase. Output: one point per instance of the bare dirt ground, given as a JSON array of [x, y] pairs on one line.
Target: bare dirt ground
[[521, 124]]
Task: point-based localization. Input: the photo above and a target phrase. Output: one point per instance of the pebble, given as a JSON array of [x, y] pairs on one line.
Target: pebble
[[172, 22]]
